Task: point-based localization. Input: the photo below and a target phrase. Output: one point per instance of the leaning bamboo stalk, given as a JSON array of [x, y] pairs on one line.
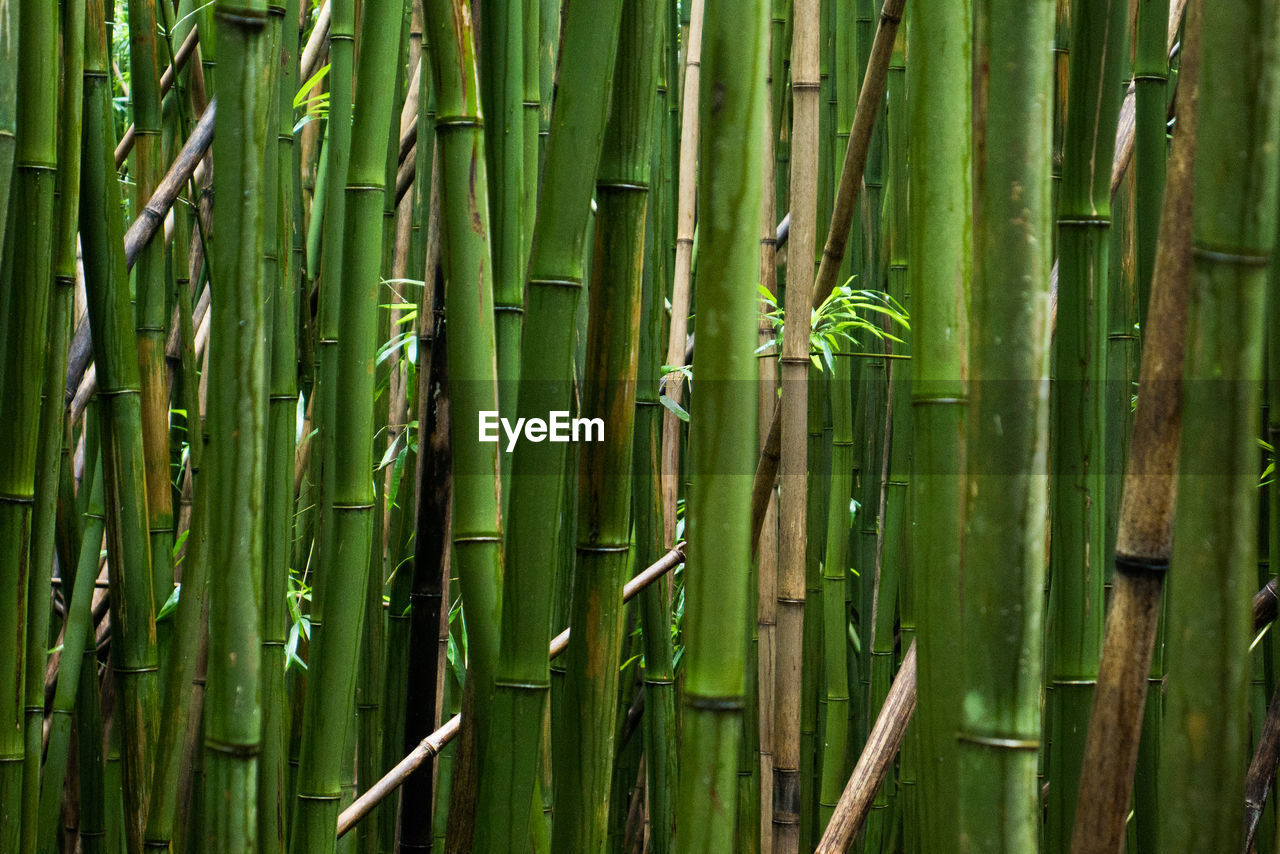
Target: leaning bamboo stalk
[[431, 746], [683, 274], [180, 57], [876, 760], [1262, 772], [1215, 534], [133, 649], [870, 98], [1145, 529]]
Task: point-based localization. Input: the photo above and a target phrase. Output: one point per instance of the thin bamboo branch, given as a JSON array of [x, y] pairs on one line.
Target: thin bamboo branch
[[434, 743], [180, 57]]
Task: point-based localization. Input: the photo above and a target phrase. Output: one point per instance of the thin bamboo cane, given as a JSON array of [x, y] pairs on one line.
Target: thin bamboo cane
[[1145, 528], [1150, 82], [77, 633], [431, 746], [335, 651], [501, 87], [149, 304], [682, 282], [583, 776], [659, 720], [1098, 58], [767, 546], [125, 147], [133, 650], [1262, 772], [1215, 535], [876, 760], [1006, 433], [788, 786], [851, 173]]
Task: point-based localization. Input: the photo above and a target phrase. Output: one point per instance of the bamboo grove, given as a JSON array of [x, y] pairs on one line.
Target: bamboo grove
[[639, 425]]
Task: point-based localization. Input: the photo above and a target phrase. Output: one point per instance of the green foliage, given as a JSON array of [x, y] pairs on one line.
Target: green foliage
[[842, 315]]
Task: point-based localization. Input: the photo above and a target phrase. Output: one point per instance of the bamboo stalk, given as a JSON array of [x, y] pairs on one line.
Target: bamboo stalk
[[717, 613], [876, 760], [477, 502], [1006, 432], [125, 147], [555, 280], [686, 192], [133, 650], [940, 265], [1215, 540], [431, 746], [1145, 530], [1098, 57], [788, 786], [9, 38], [584, 775], [345, 558], [851, 173]]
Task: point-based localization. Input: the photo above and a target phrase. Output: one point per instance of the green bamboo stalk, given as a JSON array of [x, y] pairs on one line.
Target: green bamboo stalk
[[788, 761], [237, 426], [477, 522], [133, 647], [88, 714], [583, 774], [717, 599], [28, 290], [1006, 432], [282, 408], [940, 265], [77, 633], [150, 312], [501, 87], [555, 281], [835, 568], [335, 650], [659, 719], [332, 228], [818, 490], [1215, 538], [61, 247], [1098, 54]]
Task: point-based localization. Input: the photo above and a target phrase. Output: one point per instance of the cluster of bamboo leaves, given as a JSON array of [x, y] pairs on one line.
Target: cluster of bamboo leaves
[[890, 577]]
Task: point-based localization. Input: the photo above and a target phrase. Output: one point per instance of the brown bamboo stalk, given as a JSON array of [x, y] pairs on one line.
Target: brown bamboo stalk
[[152, 215], [1144, 540], [870, 102], [678, 330], [436, 741], [1262, 771], [876, 760]]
